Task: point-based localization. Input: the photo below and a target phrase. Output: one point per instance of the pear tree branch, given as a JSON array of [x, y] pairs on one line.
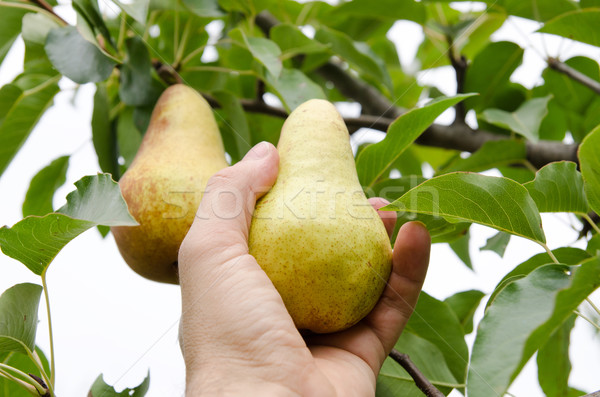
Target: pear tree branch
[[594, 394], [459, 64], [574, 74], [420, 380], [46, 6], [457, 136]]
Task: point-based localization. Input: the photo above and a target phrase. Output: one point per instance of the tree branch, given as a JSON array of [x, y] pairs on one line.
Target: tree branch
[[594, 394], [420, 380], [43, 4], [458, 136], [459, 64], [574, 74]]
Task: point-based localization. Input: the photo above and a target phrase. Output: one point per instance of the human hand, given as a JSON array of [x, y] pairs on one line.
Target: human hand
[[237, 337]]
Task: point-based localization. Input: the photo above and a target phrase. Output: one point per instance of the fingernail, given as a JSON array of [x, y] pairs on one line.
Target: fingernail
[[258, 151], [420, 223]]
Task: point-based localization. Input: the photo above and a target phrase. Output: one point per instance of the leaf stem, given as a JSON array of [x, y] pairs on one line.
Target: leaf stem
[[550, 254], [182, 44], [38, 363], [33, 8], [24, 381], [589, 320], [176, 34], [198, 50], [591, 222], [149, 24], [596, 309], [47, 298], [192, 54], [122, 28], [529, 166], [219, 69]]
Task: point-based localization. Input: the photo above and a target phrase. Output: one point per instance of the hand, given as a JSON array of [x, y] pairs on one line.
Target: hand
[[237, 337]]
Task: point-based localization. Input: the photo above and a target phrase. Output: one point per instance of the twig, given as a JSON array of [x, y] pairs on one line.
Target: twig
[[420, 380], [594, 394], [459, 63], [574, 74], [43, 4]]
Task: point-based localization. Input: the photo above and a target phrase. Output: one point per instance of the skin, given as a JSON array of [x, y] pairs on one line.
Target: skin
[[237, 337]]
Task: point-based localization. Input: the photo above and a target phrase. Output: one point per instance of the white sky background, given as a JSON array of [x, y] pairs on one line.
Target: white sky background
[[107, 319]]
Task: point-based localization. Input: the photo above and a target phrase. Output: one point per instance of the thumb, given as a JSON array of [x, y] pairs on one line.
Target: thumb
[[220, 229]]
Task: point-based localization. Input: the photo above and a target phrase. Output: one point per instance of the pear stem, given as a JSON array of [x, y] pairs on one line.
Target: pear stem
[[420, 380]]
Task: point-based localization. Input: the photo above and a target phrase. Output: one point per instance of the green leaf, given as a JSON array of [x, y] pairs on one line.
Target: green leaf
[[492, 154], [22, 103], [19, 313], [500, 203], [237, 124], [294, 88], [35, 241], [464, 304], [357, 54], [383, 9], [103, 132], [460, 246], [35, 31], [77, 58], [426, 356], [490, 71], [292, 41], [204, 8], [590, 167], [530, 310], [36, 27], [375, 159], [571, 96], [10, 28], [137, 9], [553, 361], [38, 200], [263, 50], [497, 243], [129, 137], [25, 364], [593, 245], [525, 120], [580, 25], [440, 230], [436, 322], [558, 187], [137, 87], [90, 12], [537, 10], [567, 255], [101, 389]]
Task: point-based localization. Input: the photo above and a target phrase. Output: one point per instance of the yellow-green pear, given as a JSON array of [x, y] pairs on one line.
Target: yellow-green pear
[[163, 186], [314, 233]]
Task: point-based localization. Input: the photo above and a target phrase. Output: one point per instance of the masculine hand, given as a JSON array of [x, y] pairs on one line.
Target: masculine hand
[[237, 337]]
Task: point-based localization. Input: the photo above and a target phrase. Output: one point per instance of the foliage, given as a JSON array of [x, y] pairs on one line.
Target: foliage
[[238, 56]]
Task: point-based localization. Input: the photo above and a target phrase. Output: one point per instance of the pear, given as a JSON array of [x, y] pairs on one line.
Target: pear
[[163, 186], [314, 233]]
